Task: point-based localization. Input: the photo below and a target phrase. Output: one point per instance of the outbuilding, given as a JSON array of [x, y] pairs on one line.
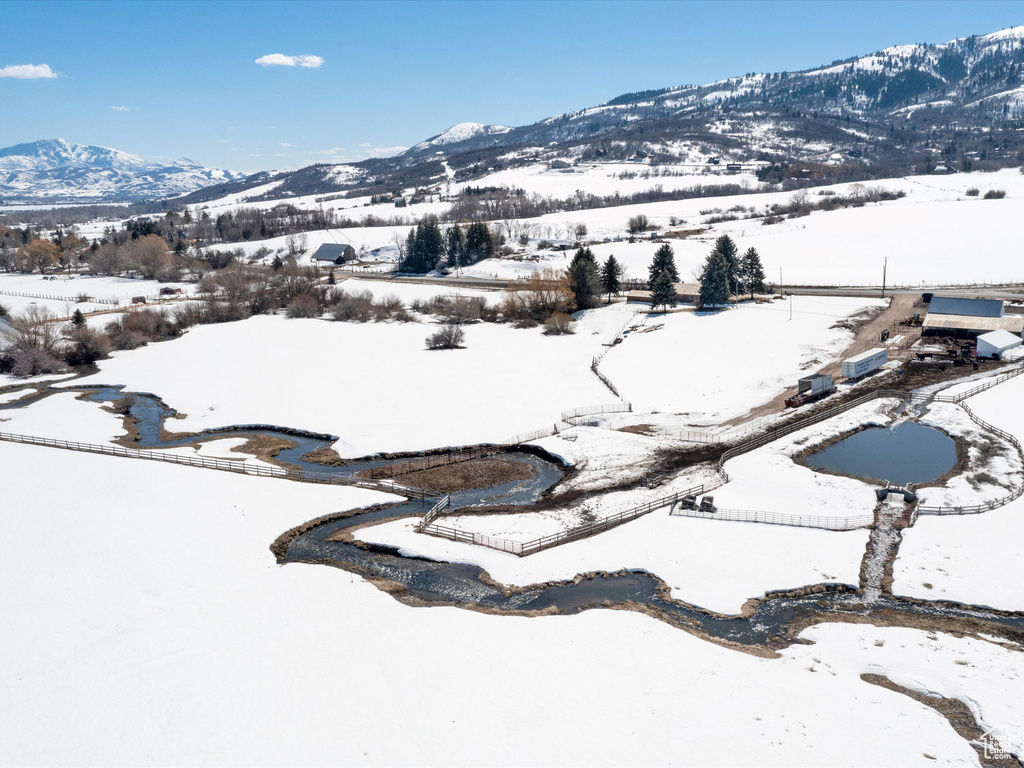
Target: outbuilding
[[964, 317], [334, 253], [995, 343]]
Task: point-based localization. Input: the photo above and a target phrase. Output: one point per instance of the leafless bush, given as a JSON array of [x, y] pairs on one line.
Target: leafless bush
[[995, 194], [303, 305], [972, 192], [86, 346], [124, 404], [449, 336], [25, 362], [558, 324], [357, 306]]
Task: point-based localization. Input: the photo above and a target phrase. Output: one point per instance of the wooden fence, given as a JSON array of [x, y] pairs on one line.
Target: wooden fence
[[780, 518], [225, 465], [81, 299], [594, 410]]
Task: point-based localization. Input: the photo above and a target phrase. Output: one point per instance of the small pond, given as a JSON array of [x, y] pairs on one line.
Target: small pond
[[907, 453]]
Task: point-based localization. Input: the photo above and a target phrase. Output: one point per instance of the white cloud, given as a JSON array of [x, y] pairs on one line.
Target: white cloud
[[366, 144], [306, 60], [224, 141], [284, 144], [122, 109], [27, 71], [383, 151]]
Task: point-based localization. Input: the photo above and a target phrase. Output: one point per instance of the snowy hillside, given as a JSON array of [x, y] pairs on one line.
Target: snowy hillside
[[457, 133], [56, 169]]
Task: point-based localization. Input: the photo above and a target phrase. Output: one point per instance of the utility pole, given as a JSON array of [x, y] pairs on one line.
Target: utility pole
[[791, 306], [885, 267]]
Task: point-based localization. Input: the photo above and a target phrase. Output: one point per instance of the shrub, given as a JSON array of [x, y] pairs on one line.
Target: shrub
[[86, 347], [128, 339], [450, 336], [995, 194], [357, 306], [972, 192], [29, 361], [303, 305], [559, 323]]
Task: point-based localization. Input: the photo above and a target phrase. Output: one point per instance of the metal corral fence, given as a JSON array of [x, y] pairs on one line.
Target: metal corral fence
[[451, 456], [981, 387], [988, 505], [226, 465], [523, 548], [594, 410], [529, 437], [780, 518]]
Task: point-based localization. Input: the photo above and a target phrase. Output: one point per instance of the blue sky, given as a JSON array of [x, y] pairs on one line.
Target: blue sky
[[165, 80]]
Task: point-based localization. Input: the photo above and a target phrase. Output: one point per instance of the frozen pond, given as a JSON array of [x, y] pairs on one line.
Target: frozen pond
[[906, 453]]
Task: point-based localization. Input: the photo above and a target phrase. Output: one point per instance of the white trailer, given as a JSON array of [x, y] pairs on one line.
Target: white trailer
[[865, 363]]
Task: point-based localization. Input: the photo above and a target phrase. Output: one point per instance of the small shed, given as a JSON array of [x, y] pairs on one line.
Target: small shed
[[334, 253], [994, 343]]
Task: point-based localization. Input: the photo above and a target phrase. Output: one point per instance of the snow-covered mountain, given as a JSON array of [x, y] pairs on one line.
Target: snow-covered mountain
[[457, 133], [899, 110], [56, 169]]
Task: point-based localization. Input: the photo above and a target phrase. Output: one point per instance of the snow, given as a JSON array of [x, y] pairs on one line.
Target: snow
[[968, 558], [162, 628], [712, 564], [722, 364], [62, 292], [63, 417], [374, 385]]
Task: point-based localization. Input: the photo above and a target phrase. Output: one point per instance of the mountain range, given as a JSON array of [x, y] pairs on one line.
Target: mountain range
[[900, 110], [55, 170]]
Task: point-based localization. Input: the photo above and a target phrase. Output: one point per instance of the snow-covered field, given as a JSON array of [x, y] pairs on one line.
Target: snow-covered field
[[374, 385], [155, 628], [844, 247], [715, 366], [62, 292]]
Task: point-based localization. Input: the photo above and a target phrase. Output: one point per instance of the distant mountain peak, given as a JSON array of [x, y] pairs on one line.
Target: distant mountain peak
[[457, 133], [57, 169]]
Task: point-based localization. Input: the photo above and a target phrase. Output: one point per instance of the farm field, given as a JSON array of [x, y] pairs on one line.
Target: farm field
[[153, 624]]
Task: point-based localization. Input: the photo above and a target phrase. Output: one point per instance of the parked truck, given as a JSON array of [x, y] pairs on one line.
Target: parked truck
[[811, 388], [864, 363]]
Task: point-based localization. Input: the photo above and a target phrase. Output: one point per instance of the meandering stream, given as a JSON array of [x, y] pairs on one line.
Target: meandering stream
[[773, 623]]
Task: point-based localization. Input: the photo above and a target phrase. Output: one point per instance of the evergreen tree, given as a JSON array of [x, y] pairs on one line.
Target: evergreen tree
[[751, 271], [428, 245], [611, 273], [479, 244], [584, 279], [77, 319], [664, 261], [725, 246], [410, 254], [714, 280], [455, 246], [276, 264], [330, 277], [663, 291]]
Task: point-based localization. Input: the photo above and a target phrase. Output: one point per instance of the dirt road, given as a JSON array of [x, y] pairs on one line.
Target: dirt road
[[866, 336]]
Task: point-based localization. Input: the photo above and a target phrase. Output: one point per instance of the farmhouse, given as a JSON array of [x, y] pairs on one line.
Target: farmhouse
[[968, 318], [334, 253]]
